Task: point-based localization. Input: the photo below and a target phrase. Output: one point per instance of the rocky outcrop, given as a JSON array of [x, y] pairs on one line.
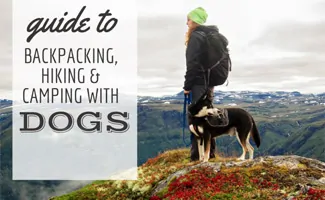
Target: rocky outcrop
[[170, 175], [299, 175]]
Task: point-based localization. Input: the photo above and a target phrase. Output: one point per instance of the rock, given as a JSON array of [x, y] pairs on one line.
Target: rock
[[322, 180], [294, 162], [290, 164], [162, 184], [299, 164]]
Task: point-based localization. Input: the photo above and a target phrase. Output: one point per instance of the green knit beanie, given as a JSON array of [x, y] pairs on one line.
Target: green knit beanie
[[198, 15]]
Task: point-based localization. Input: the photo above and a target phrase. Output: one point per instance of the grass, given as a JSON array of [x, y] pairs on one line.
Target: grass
[[260, 181], [162, 166]]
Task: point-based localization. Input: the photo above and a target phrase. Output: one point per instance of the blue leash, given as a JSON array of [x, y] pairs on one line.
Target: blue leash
[[187, 100]]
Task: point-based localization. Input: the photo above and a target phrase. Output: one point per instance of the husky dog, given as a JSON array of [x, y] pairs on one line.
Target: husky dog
[[208, 121]]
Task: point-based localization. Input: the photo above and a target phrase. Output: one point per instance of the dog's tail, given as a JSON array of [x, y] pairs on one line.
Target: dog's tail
[[256, 134]]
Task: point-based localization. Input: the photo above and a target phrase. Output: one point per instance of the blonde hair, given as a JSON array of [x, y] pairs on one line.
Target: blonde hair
[[188, 33]]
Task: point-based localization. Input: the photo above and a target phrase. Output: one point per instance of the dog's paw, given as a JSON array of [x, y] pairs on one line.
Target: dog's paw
[[201, 158]]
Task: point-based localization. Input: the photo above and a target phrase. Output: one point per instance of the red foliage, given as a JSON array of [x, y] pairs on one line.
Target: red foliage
[[261, 184], [204, 183], [155, 198], [314, 194]]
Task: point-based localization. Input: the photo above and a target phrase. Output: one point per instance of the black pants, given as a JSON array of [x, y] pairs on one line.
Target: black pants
[[197, 92]]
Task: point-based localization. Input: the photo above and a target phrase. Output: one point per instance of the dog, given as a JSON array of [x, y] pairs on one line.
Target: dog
[[208, 121]]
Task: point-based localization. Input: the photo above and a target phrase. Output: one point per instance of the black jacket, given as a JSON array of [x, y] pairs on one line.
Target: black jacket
[[195, 57]]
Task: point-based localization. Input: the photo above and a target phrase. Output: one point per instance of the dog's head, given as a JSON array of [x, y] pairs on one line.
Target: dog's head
[[214, 116], [210, 112], [201, 107]]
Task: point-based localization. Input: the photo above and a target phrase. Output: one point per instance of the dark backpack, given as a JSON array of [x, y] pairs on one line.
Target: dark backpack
[[219, 62]]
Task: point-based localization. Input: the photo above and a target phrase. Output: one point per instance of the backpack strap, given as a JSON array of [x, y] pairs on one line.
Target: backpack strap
[[216, 64]]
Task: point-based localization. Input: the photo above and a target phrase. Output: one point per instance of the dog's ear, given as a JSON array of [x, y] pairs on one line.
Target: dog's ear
[[197, 105], [204, 96], [192, 109]]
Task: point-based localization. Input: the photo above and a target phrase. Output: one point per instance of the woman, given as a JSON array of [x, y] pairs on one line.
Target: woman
[[195, 59]]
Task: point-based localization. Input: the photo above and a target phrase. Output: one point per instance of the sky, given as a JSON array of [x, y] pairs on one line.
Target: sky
[[274, 45]]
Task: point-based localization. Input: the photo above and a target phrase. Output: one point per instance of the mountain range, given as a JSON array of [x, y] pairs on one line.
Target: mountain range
[[288, 122]]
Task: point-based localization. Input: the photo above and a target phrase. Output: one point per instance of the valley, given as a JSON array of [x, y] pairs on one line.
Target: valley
[[288, 122]]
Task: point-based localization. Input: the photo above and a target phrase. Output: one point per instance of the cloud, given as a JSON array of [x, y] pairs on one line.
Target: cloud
[[5, 44], [286, 56], [282, 68], [302, 73], [295, 58], [285, 48], [161, 53], [293, 36], [319, 8]]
